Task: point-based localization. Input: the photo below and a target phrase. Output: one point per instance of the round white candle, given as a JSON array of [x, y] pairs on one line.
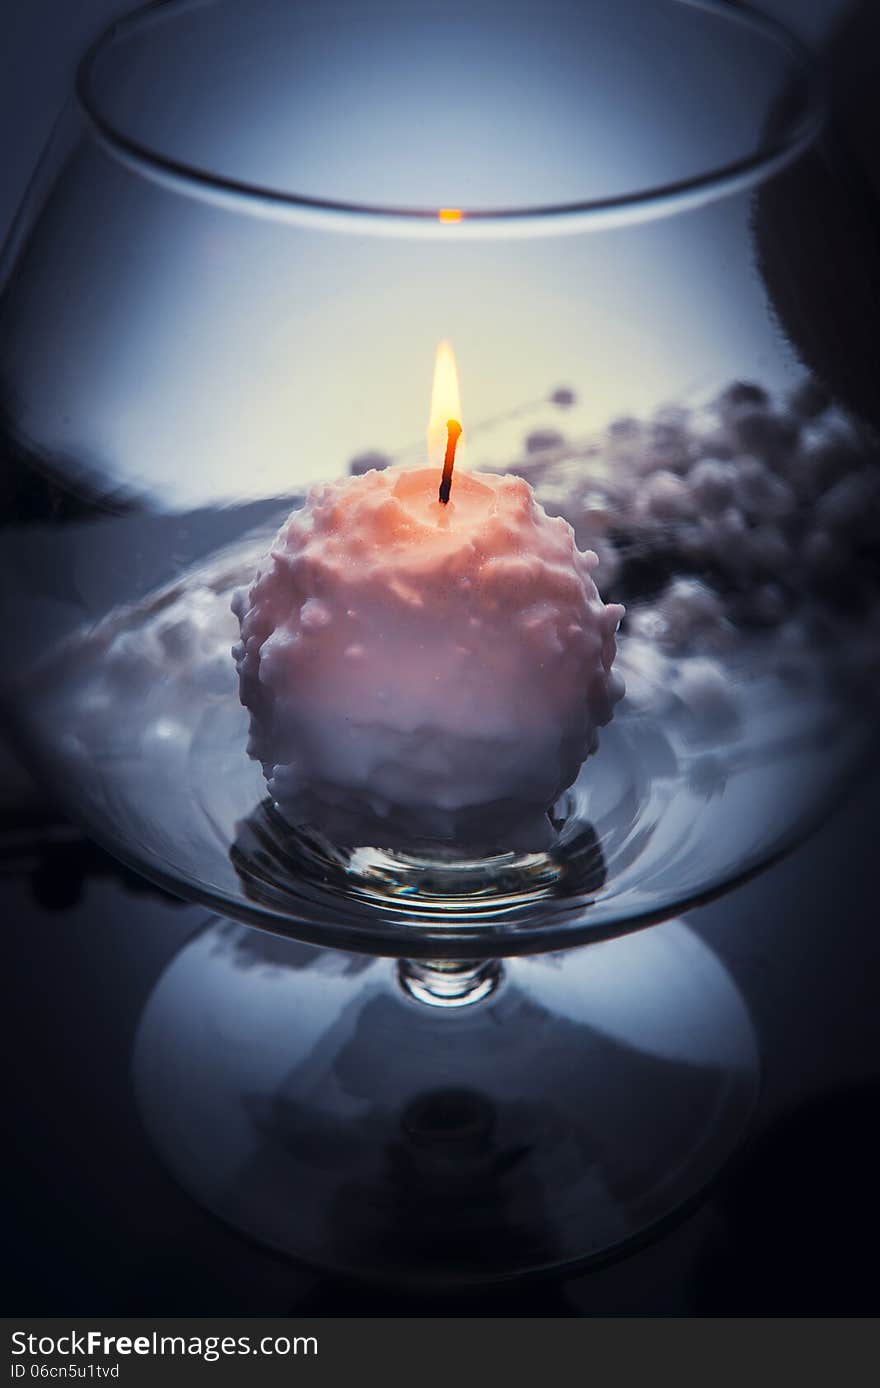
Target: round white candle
[[425, 672]]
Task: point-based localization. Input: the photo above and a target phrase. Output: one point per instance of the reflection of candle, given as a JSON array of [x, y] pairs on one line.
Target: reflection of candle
[[419, 670]]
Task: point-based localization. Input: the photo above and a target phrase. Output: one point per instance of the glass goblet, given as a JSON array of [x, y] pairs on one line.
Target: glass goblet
[[213, 302]]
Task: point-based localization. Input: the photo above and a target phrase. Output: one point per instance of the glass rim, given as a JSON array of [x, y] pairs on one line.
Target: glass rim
[[590, 214]]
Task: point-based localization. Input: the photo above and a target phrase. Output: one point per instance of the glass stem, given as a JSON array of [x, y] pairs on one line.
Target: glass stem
[[449, 982]]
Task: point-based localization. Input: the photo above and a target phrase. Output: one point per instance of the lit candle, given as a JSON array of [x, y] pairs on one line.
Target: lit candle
[[425, 656]]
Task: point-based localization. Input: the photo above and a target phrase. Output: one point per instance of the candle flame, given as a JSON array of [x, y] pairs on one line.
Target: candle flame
[[445, 405]]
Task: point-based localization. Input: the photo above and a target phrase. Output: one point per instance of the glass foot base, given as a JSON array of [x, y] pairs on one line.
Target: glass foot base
[[316, 1102]]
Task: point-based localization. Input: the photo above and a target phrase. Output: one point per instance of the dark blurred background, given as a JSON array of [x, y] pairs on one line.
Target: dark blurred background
[[95, 1226]]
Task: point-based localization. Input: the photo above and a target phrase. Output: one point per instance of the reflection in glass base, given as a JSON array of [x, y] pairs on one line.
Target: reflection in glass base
[[314, 1102], [278, 862]]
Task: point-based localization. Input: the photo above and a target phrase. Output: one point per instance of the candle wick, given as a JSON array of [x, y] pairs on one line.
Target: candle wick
[[453, 434]]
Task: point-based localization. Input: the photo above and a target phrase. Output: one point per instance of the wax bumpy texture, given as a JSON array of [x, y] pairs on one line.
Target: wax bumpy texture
[[425, 675]]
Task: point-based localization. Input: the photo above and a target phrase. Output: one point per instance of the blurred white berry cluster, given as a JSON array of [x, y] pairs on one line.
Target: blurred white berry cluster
[[744, 516]]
